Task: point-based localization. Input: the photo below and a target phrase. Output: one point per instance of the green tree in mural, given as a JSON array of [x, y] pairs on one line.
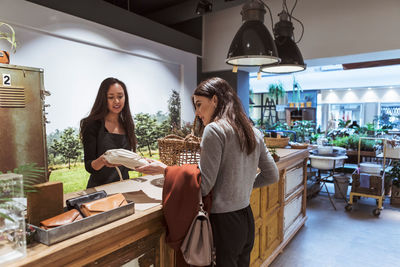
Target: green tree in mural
[[68, 146], [51, 153], [161, 116], [174, 107], [147, 131], [163, 129]]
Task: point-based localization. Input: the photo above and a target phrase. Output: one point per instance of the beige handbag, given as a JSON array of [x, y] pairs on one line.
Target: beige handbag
[[198, 246]]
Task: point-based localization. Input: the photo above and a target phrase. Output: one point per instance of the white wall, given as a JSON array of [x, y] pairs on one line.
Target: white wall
[[77, 55], [314, 78], [382, 95], [332, 29]]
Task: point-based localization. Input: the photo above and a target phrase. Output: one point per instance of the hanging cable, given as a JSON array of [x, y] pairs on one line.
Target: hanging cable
[[270, 13], [294, 6], [302, 29], [285, 7], [291, 16]]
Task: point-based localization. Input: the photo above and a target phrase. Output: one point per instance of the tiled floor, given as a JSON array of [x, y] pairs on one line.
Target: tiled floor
[[340, 238]]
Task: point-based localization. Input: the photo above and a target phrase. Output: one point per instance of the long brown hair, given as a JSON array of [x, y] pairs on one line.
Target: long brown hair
[[100, 110], [229, 108]]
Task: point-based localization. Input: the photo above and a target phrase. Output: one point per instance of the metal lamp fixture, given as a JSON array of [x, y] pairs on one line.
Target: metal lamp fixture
[[292, 60], [203, 6], [252, 45]]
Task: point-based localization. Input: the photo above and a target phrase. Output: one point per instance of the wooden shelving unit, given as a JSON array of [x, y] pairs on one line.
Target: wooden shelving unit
[[298, 114]]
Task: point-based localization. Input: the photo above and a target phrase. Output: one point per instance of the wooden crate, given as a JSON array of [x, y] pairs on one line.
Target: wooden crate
[[376, 185]]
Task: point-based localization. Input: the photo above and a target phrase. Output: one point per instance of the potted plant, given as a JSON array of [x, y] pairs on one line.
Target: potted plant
[[272, 150], [394, 176], [308, 100], [7, 33], [304, 130], [276, 91], [297, 90]]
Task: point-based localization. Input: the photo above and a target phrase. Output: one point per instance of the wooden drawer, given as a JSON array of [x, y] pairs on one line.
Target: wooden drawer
[[293, 180], [292, 211]]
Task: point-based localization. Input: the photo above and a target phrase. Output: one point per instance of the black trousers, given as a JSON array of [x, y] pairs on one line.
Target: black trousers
[[233, 234]]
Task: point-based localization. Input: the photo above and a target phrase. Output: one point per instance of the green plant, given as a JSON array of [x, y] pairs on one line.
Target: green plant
[[297, 90], [341, 142], [272, 150], [304, 130], [366, 144], [274, 155], [384, 122], [276, 91], [314, 137], [394, 174], [8, 35], [343, 123], [335, 133]]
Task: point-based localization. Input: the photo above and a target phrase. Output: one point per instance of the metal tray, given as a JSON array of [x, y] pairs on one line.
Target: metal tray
[[55, 235]]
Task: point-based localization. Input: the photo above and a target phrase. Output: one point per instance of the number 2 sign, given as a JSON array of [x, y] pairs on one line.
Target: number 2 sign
[[6, 79]]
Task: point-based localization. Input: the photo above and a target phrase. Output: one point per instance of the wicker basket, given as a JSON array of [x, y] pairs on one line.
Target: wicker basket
[[176, 150], [299, 146], [276, 142]]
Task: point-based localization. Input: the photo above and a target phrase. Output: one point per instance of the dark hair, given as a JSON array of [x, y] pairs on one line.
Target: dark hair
[[229, 108], [100, 110]]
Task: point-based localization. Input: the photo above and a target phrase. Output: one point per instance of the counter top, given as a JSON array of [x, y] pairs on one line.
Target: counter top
[[289, 156], [100, 242]]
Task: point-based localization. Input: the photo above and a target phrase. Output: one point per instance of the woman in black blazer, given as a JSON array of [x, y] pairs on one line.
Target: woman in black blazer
[[108, 126]]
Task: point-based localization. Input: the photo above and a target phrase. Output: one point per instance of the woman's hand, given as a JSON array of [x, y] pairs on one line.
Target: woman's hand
[[100, 162], [155, 167]]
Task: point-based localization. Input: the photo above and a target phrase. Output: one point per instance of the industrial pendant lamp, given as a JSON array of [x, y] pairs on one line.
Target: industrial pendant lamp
[[291, 58], [252, 45]]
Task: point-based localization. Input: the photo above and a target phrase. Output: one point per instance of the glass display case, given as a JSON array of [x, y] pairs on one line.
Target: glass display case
[[12, 217]]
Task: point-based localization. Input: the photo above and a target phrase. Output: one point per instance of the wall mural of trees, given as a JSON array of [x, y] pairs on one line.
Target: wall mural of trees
[[65, 147]]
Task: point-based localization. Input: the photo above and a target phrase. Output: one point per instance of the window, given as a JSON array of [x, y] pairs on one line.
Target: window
[[346, 112], [393, 112]]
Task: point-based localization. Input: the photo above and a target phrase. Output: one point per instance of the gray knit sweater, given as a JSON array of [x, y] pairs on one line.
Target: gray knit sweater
[[230, 172]]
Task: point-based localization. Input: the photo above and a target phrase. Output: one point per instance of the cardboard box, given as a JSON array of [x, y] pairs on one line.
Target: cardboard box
[[45, 203]]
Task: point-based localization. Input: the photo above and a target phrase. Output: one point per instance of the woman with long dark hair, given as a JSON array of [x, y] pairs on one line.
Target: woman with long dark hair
[[108, 126], [231, 151]]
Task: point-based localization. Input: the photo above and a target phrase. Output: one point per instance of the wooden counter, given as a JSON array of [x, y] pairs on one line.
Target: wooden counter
[[279, 212], [280, 209], [113, 244]]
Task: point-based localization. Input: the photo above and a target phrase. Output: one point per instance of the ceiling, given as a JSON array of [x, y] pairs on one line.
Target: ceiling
[[177, 14], [175, 23], [145, 6]]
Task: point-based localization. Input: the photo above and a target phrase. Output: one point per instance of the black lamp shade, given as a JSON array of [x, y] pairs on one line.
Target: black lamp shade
[[252, 45], [291, 58]]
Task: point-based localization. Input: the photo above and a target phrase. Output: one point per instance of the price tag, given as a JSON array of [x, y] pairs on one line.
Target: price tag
[[6, 79]]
